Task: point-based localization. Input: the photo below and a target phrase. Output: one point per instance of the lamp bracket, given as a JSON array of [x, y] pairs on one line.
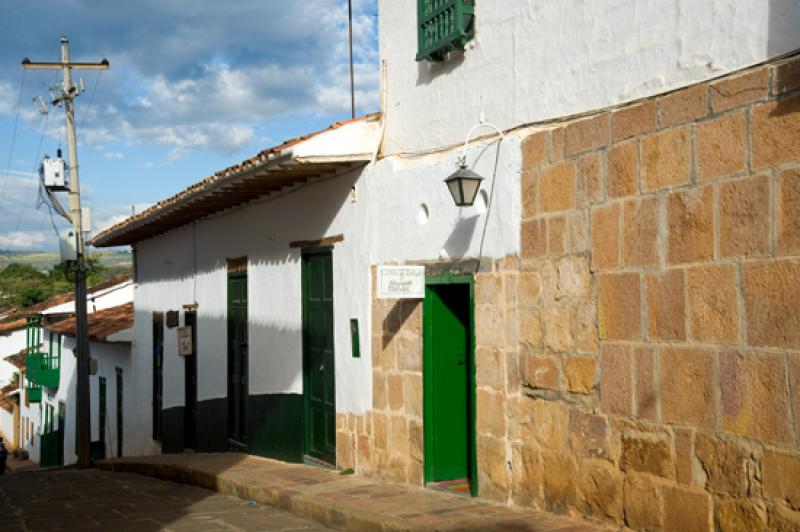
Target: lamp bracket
[[462, 159]]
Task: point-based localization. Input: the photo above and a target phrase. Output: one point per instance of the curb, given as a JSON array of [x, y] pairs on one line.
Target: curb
[[306, 504]]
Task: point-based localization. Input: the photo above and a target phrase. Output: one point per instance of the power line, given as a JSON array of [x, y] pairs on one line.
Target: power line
[[91, 99], [13, 138], [35, 166]]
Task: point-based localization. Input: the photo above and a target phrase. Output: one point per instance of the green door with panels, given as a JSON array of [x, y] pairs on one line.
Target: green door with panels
[[448, 382], [237, 358], [318, 361]]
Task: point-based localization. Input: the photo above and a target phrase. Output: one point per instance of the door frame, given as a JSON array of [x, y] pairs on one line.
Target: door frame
[[322, 250], [190, 367], [450, 279]]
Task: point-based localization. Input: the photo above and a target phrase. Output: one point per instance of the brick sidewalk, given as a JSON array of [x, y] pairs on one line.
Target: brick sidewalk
[[339, 501]]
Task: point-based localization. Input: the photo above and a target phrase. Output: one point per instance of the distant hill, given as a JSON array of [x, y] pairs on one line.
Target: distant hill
[[115, 261]]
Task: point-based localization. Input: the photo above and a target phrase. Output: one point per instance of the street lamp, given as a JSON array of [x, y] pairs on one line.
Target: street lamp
[[464, 184]]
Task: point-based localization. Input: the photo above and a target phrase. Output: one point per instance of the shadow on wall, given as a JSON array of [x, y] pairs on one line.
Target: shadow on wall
[[784, 21]]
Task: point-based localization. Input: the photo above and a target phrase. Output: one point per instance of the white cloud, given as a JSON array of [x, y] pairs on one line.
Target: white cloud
[[22, 240], [113, 155]]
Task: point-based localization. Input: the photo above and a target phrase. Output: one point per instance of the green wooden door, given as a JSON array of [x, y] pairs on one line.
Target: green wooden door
[[158, 372], [318, 360], [190, 386], [119, 412], [447, 382], [237, 358], [101, 412]]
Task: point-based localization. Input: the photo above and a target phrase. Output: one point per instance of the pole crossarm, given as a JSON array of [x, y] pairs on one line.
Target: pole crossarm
[[27, 64]]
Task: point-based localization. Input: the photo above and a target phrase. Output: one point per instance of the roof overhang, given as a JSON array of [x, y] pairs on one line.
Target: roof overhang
[[338, 149]]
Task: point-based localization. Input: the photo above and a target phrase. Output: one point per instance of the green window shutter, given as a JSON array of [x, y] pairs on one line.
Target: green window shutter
[[443, 26]]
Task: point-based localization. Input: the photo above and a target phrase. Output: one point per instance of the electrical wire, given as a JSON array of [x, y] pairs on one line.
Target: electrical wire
[[13, 138], [35, 168], [91, 98]]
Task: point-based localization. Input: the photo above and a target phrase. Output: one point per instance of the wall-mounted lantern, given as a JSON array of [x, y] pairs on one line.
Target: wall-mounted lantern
[[464, 185]]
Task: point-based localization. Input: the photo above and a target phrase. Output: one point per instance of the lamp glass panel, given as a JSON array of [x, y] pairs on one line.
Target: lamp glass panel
[[455, 190], [470, 189]]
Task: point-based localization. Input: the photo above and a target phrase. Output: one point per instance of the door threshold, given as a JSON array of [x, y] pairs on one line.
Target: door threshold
[[317, 462], [459, 486]]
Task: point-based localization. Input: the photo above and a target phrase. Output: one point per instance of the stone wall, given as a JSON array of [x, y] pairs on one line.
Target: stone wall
[[657, 376], [639, 362]]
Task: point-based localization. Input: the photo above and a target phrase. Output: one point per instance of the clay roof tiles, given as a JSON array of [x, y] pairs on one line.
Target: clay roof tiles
[[102, 323]]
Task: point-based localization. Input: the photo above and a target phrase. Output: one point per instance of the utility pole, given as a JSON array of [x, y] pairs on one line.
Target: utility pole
[[352, 77], [67, 97]]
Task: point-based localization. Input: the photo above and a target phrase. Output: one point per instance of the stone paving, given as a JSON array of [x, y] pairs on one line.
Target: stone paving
[[71, 499], [343, 502]]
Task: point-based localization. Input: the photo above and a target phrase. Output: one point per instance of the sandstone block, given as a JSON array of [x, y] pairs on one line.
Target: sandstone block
[[772, 303], [557, 187], [490, 368], [733, 91], [521, 419], [606, 222], [345, 450], [489, 326], [687, 509], [529, 187], [616, 386], [591, 178], [754, 395], [740, 515], [380, 431], [587, 134], [794, 383], [647, 454], [641, 220], [622, 173], [379, 386], [687, 387], [775, 132], [579, 225], [558, 329], [534, 149], [579, 374], [556, 235], [573, 278], [620, 307], [685, 105], [491, 415], [550, 419], [409, 353], [531, 328], [786, 76], [666, 303], [530, 287], [714, 303], [781, 518], [588, 435], [721, 146], [725, 464], [587, 337], [396, 394], [600, 485], [526, 479], [412, 386], [782, 477], [690, 225], [488, 288], [684, 455], [635, 119], [643, 502], [789, 213], [666, 158], [398, 438], [541, 372], [744, 217], [493, 468], [560, 481], [555, 148], [533, 238], [646, 391]]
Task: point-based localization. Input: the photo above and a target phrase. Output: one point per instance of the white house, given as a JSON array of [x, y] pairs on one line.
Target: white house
[[608, 297]]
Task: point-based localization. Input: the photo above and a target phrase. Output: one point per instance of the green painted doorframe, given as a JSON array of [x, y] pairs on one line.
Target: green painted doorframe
[[450, 279]]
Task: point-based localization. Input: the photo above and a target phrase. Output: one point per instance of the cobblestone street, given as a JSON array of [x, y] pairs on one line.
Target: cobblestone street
[[80, 500]]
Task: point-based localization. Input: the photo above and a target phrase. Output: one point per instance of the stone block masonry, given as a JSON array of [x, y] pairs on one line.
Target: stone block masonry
[[639, 362], [672, 402]]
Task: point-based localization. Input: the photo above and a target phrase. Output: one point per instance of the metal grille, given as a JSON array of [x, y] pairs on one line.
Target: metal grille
[[443, 26]]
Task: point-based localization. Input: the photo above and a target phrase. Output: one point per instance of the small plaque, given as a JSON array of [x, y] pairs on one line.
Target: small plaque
[[185, 347], [401, 282]]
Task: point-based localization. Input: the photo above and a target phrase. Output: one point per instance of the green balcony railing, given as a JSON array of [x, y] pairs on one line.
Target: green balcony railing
[[42, 367], [443, 26], [33, 393]]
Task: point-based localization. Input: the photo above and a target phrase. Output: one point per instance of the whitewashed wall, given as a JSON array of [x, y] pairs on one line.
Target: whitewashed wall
[[534, 60]]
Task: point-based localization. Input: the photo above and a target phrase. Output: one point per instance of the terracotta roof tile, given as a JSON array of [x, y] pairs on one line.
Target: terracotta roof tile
[[102, 323]]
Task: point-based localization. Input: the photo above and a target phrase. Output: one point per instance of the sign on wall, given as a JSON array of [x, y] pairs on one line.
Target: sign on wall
[[401, 282], [185, 341]]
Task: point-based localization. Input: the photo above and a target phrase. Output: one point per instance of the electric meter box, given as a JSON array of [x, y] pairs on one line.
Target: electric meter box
[[69, 245], [54, 173]]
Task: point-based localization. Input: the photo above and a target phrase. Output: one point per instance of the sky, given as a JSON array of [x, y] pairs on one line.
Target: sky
[[193, 88]]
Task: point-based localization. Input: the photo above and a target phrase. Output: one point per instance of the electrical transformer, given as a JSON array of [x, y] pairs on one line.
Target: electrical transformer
[[69, 245], [54, 173]]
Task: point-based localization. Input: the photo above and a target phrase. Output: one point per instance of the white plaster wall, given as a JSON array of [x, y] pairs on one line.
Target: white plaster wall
[[7, 427], [534, 60], [10, 344], [31, 412], [99, 300]]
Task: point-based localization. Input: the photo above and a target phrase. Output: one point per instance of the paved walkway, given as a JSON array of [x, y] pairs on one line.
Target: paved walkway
[[72, 499], [343, 502]]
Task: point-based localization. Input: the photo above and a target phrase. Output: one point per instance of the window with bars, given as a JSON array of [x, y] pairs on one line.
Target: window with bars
[[443, 26]]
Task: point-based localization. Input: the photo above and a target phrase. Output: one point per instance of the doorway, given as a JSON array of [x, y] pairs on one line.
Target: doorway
[[190, 381], [449, 383], [319, 391], [158, 372], [119, 413], [237, 354]]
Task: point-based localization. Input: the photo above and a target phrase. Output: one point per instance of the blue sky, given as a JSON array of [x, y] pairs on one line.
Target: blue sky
[[193, 87]]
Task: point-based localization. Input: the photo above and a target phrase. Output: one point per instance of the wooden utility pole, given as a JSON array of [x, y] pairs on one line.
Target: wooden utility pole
[[67, 96], [352, 77]]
